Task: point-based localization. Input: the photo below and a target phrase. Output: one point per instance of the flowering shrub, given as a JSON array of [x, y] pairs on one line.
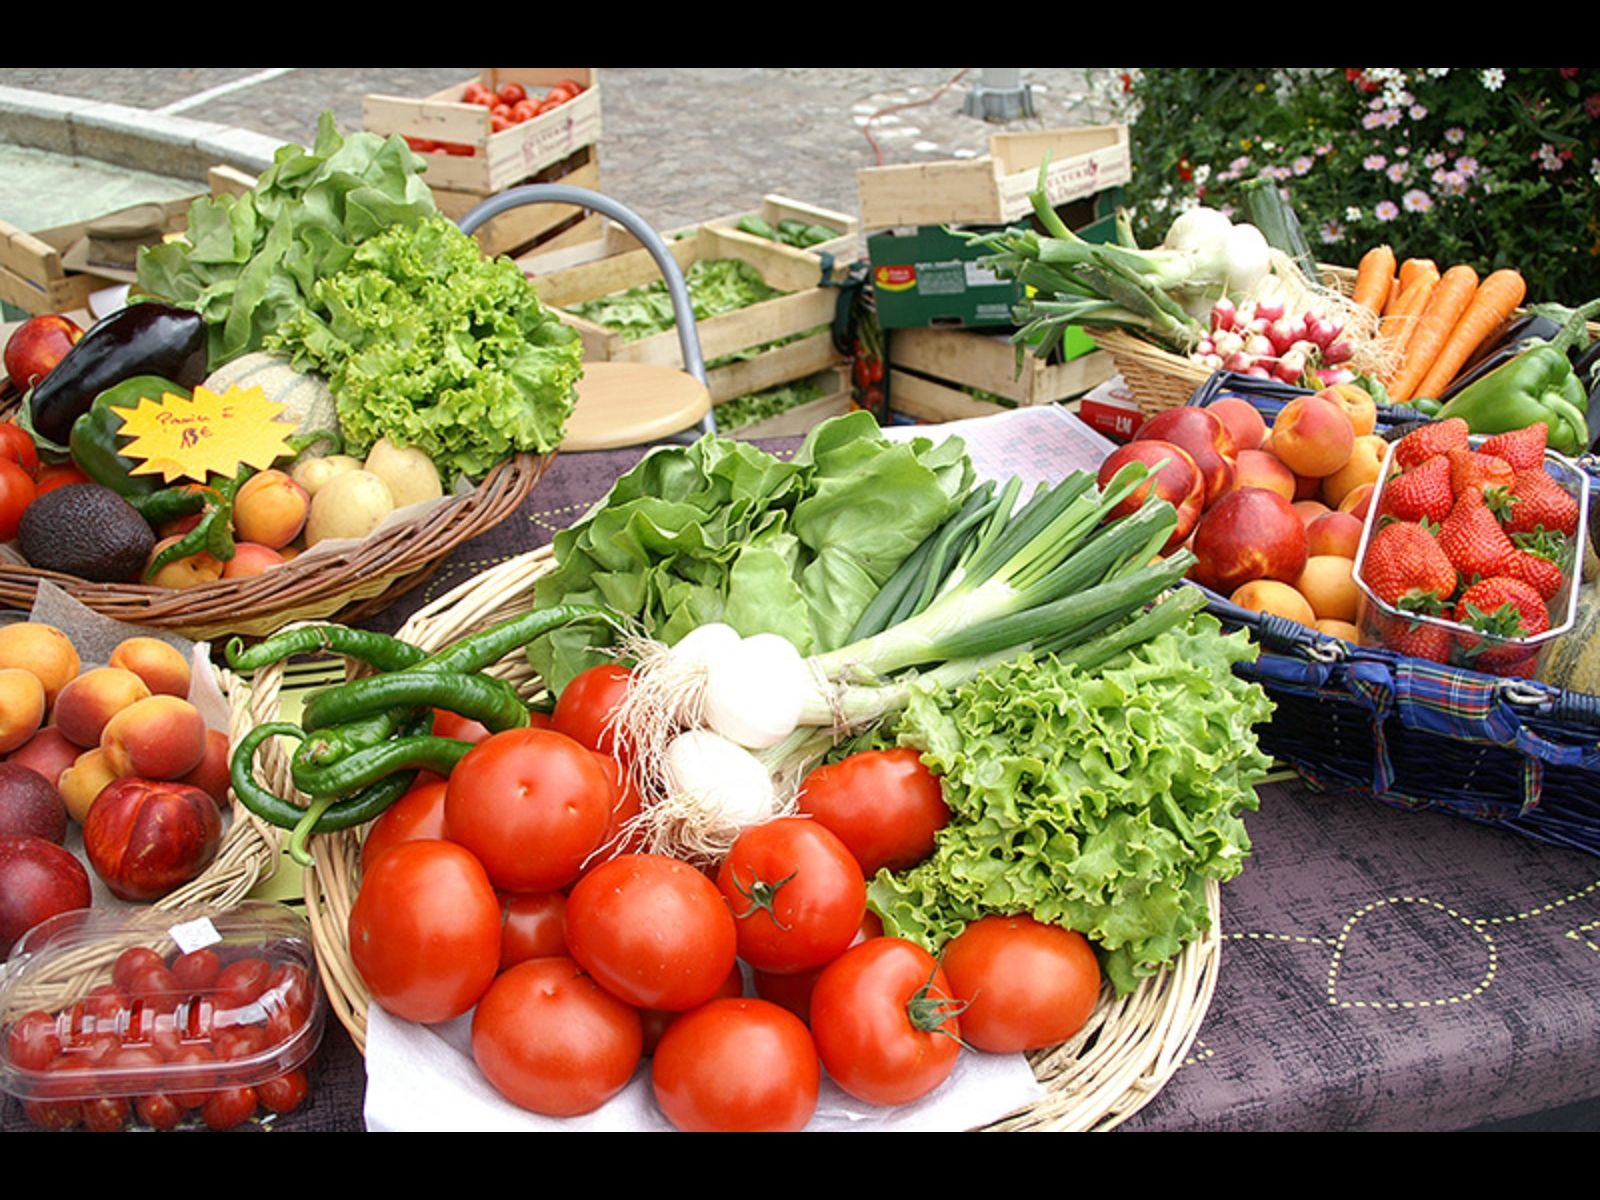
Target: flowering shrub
[[1494, 166]]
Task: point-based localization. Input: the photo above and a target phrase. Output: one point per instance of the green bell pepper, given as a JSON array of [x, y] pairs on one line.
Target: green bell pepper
[[1539, 385], [93, 442]]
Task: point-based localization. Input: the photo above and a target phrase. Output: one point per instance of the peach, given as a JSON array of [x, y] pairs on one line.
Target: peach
[[92, 699], [1206, 439], [1178, 482], [161, 737], [1246, 425], [251, 559], [1313, 436], [21, 707], [184, 572], [84, 780], [1310, 510], [270, 509], [1329, 585], [1334, 533], [47, 752], [1258, 469], [211, 776], [1273, 596], [1357, 501], [1249, 534], [1365, 465], [163, 668], [1357, 404], [1306, 488], [1339, 629], [42, 649]]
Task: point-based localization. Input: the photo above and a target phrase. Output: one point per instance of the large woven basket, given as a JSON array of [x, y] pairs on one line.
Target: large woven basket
[[1127, 1051], [349, 583]]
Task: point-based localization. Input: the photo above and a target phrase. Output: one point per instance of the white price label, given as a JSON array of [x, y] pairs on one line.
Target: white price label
[[195, 935]]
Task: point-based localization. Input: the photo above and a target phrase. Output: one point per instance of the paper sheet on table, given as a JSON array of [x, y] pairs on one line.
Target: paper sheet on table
[[421, 1078], [1041, 444]]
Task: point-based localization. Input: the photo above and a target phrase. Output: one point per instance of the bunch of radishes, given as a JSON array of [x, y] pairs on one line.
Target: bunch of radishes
[[1261, 338]]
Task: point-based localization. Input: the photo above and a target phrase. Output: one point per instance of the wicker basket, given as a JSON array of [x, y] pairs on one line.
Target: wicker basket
[[351, 582], [1110, 1070]]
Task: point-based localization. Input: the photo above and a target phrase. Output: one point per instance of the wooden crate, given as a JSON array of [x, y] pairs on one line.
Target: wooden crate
[[532, 226], [32, 276], [805, 307], [993, 190], [498, 159], [929, 369], [800, 420], [774, 208]]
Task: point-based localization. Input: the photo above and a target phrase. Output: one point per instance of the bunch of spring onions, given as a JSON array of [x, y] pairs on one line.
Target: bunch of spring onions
[[721, 728]]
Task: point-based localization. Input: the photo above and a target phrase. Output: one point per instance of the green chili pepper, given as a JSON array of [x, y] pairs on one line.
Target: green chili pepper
[[366, 767], [491, 645], [481, 698], [358, 809], [375, 649]]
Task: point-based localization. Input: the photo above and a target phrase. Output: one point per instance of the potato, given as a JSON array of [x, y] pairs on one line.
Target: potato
[[349, 506], [410, 474], [315, 473]]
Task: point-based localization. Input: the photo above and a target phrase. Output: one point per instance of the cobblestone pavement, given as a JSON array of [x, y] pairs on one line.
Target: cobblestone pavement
[[680, 144]]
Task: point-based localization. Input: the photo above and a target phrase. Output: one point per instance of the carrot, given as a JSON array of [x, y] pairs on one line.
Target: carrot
[[1412, 267], [1496, 300], [1372, 278], [1400, 318], [1432, 330]]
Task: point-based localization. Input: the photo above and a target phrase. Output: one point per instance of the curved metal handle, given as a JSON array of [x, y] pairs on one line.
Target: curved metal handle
[[561, 193]]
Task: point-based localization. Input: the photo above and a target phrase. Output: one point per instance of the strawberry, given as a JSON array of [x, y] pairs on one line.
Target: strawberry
[[1473, 540], [1406, 567], [1541, 501], [1414, 638], [1420, 494], [1436, 437], [1522, 448], [1478, 471], [1539, 573], [1502, 607]]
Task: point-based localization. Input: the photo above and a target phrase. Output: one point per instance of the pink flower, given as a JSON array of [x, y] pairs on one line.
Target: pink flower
[[1435, 159], [1455, 135], [1325, 149], [1371, 120], [1569, 72], [1303, 164], [1374, 162], [1398, 171], [1391, 118], [1417, 201], [1239, 163], [1386, 210], [1332, 231], [1467, 165], [1417, 112], [1451, 183]]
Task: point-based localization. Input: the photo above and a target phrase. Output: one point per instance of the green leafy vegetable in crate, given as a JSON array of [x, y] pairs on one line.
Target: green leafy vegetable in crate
[[774, 401], [789, 232], [716, 286]]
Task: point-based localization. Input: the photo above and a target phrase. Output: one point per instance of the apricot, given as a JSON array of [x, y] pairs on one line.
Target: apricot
[[1329, 586], [1365, 465], [1357, 404], [1272, 596], [1334, 533], [84, 780], [1258, 469], [44, 651], [1339, 629], [1246, 425], [92, 699], [184, 572], [270, 509], [21, 707], [161, 737], [1357, 501], [1313, 437], [251, 559], [163, 668]]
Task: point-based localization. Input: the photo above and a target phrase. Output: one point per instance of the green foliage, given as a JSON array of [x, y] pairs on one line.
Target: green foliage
[[1496, 167]]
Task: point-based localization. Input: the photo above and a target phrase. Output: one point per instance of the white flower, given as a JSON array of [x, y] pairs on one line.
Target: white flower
[[1159, 203], [1438, 72], [1492, 78], [1352, 213], [1594, 170], [1417, 112], [1202, 173]]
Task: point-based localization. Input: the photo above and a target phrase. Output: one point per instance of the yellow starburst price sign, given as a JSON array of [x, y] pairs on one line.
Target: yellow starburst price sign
[[209, 434]]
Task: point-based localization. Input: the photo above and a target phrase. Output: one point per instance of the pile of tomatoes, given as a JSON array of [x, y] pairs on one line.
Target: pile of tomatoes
[[513, 888], [166, 1038], [511, 105]]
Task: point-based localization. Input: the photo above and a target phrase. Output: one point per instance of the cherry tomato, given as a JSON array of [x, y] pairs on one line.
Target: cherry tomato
[[106, 1114], [796, 892], [513, 94], [653, 931], [500, 122], [285, 1093], [885, 1022], [532, 805], [737, 1065], [883, 804], [425, 931], [241, 983], [551, 1040], [197, 1073], [16, 445], [197, 970], [422, 145], [586, 704], [458, 149], [228, 1108], [17, 491], [416, 815], [133, 962], [291, 993], [33, 1041], [1027, 985], [532, 926], [159, 1111]]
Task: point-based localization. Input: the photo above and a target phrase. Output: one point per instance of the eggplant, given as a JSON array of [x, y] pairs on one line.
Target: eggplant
[[142, 339]]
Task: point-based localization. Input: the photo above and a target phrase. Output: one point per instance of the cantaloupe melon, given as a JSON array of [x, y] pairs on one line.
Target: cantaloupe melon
[[308, 400]]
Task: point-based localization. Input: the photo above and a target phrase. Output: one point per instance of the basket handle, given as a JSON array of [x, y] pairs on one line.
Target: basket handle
[[682, 309]]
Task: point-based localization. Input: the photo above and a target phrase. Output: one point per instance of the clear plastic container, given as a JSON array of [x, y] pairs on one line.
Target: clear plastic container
[[1382, 624], [98, 1005]]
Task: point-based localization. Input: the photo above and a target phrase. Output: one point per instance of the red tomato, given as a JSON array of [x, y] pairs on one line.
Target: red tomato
[[422, 145], [586, 704], [513, 94], [416, 815], [197, 970], [1027, 985], [523, 110], [33, 1041], [132, 963], [106, 1114], [653, 931], [737, 1066], [228, 1108], [17, 491], [18, 447], [883, 804], [285, 1093], [793, 992], [532, 805], [884, 1019], [425, 931], [159, 1111], [551, 1040], [797, 893], [477, 93], [458, 149], [453, 725], [54, 475], [194, 1058], [656, 1021], [532, 926], [241, 983]]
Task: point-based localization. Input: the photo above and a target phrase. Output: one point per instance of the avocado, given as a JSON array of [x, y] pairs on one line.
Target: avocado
[[86, 530]]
